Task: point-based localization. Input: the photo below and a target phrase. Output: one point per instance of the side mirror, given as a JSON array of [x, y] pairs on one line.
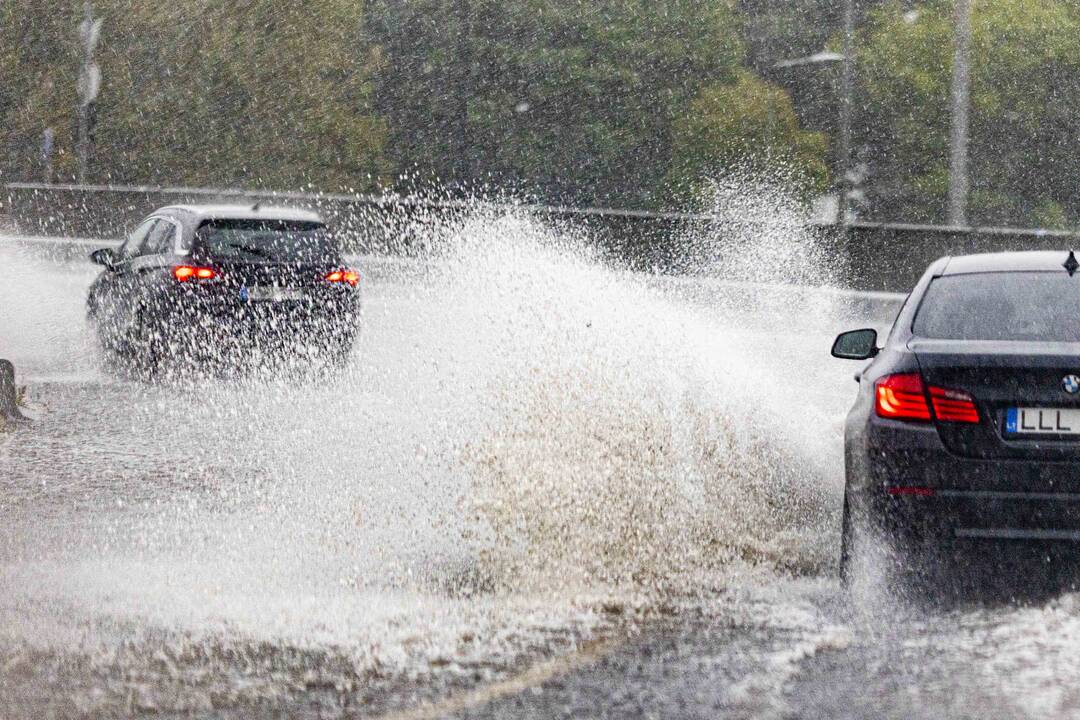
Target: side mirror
[[104, 256], [856, 345]]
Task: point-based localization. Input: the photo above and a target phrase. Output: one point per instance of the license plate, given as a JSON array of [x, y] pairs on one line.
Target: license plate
[[1042, 421], [273, 294]]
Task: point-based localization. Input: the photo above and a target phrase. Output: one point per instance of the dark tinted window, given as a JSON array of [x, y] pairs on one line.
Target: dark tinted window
[[134, 241], [266, 239], [1001, 306], [160, 240]]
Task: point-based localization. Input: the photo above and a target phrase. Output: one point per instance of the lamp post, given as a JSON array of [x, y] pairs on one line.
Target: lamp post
[[846, 103], [846, 106], [843, 155], [88, 85], [463, 87], [959, 181]]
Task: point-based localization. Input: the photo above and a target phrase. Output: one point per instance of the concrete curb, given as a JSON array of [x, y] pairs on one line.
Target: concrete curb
[[9, 407]]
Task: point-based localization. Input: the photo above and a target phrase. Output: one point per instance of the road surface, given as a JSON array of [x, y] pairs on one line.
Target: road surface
[[542, 488]]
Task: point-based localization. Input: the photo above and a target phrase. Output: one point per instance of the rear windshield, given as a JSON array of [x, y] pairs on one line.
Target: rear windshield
[[1036, 306], [266, 239]]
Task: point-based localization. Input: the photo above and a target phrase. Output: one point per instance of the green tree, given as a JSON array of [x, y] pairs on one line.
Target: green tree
[[778, 30], [600, 102], [253, 93], [39, 58], [1024, 125], [577, 102], [749, 124]]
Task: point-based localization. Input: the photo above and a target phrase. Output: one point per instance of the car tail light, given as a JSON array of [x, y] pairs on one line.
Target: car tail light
[[346, 275], [901, 397], [185, 273], [953, 405]]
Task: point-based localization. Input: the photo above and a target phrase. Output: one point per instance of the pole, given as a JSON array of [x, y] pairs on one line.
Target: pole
[[846, 107], [959, 181], [83, 148], [463, 87], [48, 139]]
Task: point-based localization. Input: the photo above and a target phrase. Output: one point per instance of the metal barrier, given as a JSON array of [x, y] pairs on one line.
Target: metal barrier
[[369, 224], [884, 256], [868, 256]]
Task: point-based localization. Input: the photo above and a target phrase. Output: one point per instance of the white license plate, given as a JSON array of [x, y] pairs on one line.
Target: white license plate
[[1042, 421], [274, 294]]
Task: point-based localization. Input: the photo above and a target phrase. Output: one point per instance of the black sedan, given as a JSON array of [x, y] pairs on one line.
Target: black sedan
[[965, 436], [210, 283]]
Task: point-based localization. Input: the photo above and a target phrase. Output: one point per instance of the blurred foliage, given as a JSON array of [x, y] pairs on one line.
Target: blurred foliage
[[1024, 94], [573, 101], [600, 102], [257, 93], [606, 102], [38, 59], [786, 29], [749, 124]]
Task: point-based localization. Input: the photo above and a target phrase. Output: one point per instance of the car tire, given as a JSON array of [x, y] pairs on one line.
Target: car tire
[[845, 546], [337, 353], [144, 351], [865, 552]]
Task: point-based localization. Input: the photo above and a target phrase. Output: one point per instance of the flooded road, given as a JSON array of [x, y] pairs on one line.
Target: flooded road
[[801, 649], [542, 487]]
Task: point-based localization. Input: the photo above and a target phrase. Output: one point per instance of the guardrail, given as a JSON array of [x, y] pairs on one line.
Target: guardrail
[[389, 224], [873, 256]]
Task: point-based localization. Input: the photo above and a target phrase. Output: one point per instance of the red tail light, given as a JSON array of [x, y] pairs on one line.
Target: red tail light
[[953, 405], [344, 276], [184, 273], [902, 397]]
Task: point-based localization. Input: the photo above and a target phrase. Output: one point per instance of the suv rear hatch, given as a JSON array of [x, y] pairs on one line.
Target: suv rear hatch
[[268, 255]]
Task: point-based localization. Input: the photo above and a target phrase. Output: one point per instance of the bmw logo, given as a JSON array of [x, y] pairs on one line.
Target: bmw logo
[[1070, 384]]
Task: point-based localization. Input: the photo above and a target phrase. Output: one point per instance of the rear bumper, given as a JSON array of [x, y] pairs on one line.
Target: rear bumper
[[196, 328], [959, 499], [971, 516]]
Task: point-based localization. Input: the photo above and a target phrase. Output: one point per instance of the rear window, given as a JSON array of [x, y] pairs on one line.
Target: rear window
[[266, 239], [1034, 306]]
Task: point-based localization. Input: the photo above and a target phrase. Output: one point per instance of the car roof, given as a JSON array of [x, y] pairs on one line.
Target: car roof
[[1027, 261], [241, 212]]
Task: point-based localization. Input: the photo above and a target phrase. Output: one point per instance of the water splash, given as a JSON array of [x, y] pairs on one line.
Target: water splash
[[524, 430], [758, 231], [42, 312], [626, 440]]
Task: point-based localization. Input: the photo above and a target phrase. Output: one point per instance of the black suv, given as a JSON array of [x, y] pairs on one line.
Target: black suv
[[215, 283]]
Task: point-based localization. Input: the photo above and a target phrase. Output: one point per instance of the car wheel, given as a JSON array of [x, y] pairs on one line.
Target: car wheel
[[845, 546], [338, 351], [865, 549], [145, 348]]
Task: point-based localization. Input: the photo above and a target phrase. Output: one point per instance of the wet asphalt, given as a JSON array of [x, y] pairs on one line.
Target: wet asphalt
[[773, 646]]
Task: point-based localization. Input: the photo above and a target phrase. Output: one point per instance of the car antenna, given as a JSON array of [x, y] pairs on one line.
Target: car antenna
[[1071, 263], [255, 208]]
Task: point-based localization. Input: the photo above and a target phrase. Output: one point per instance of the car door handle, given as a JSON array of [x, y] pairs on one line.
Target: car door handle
[[858, 376]]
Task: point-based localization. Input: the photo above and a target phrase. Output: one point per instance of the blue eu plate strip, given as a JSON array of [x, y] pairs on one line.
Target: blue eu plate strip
[[1012, 420]]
